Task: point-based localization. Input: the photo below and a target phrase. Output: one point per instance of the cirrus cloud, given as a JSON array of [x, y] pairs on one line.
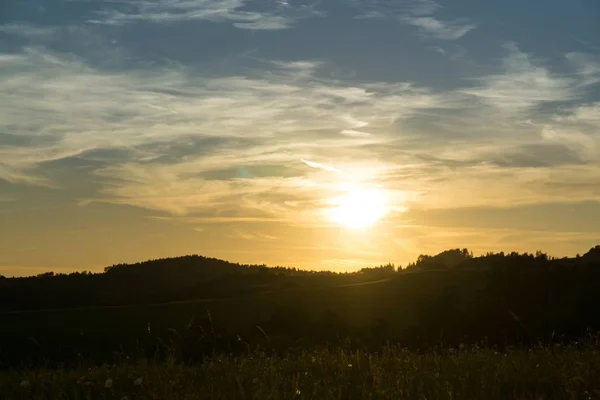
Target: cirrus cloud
[[281, 16]]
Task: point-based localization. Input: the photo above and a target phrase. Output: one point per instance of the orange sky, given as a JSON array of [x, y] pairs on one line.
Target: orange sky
[[321, 135]]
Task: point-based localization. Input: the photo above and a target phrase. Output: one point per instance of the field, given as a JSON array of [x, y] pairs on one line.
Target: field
[[106, 334], [554, 372], [497, 327]]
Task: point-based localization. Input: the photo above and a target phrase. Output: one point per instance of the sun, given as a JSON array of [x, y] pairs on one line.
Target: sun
[[358, 208]]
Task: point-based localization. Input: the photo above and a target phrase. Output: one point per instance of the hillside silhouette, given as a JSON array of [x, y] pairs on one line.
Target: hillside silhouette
[[200, 305], [155, 281]]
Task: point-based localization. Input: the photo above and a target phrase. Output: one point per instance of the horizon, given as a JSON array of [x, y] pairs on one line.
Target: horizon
[[318, 135], [397, 266]]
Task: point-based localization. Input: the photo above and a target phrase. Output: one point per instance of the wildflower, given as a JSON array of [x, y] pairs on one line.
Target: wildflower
[[297, 392], [137, 382], [349, 365], [108, 383], [25, 384]]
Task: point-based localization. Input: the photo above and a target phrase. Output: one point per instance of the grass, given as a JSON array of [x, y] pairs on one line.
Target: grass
[[558, 372]]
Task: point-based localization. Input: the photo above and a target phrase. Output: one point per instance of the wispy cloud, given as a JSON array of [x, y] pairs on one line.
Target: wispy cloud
[[245, 119], [284, 115], [375, 9], [417, 13], [523, 84], [254, 235], [28, 30], [578, 128], [355, 133], [588, 114], [178, 127], [587, 67], [445, 30], [21, 175], [354, 124], [422, 7], [317, 165], [280, 16], [371, 14]]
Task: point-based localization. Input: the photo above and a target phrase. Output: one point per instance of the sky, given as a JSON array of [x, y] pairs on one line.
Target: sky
[[262, 131]]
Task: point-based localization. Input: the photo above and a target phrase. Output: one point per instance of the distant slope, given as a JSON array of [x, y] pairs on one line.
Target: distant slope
[[157, 281], [194, 277], [496, 299]]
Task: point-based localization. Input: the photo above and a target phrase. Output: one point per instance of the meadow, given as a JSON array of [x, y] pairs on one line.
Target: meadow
[[550, 372], [451, 326], [376, 310]]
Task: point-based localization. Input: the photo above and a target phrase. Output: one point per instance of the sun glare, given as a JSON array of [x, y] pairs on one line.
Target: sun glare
[[358, 208]]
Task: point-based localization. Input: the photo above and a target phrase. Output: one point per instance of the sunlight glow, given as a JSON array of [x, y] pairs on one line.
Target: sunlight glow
[[358, 208]]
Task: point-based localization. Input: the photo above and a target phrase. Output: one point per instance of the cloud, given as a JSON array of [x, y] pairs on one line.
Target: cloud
[[445, 30], [587, 114], [523, 85], [175, 125], [371, 15], [441, 187], [281, 16], [354, 123], [587, 67], [270, 23], [578, 128], [27, 30], [535, 156], [528, 155], [192, 144], [313, 164], [417, 13], [423, 7], [253, 235], [11, 174], [355, 133], [378, 9], [106, 117]]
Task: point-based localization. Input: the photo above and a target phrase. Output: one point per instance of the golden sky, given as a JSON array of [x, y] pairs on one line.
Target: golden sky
[[331, 135]]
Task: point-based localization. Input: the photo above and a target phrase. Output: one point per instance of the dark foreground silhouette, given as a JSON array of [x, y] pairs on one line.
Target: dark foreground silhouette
[[191, 308]]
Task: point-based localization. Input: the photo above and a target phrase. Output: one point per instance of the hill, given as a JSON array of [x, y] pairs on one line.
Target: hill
[[157, 307], [153, 281]]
